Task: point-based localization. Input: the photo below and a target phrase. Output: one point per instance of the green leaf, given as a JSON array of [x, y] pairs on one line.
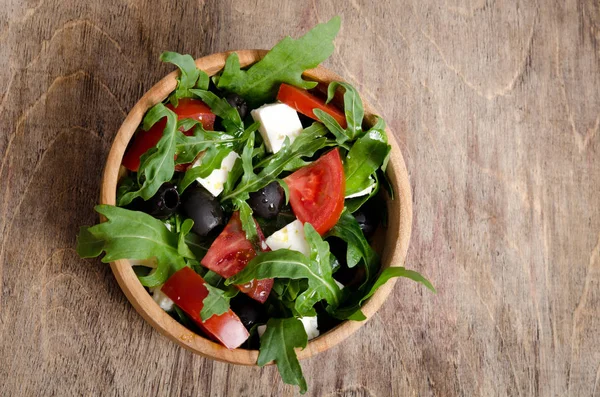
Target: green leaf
[[197, 245], [158, 163], [290, 264], [332, 125], [354, 203], [305, 145], [286, 190], [222, 108], [190, 76], [182, 247], [347, 229], [248, 223], [126, 185], [364, 158], [353, 312], [353, 108], [278, 343], [88, 246], [216, 302], [285, 63], [187, 147], [211, 160], [133, 235]]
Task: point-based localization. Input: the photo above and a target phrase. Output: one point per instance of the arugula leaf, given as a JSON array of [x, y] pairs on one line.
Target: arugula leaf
[[187, 147], [286, 189], [222, 108], [158, 163], [364, 158], [305, 145], [354, 203], [353, 311], [248, 223], [332, 125], [216, 302], [347, 229], [285, 63], [353, 107], [126, 185], [197, 245], [133, 235], [182, 247], [88, 246], [190, 76], [215, 152], [285, 263], [277, 344]]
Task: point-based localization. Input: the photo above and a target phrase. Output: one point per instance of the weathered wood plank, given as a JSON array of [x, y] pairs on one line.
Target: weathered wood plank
[[496, 106]]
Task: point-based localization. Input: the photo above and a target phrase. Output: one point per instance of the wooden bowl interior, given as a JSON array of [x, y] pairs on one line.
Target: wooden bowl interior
[[395, 243]]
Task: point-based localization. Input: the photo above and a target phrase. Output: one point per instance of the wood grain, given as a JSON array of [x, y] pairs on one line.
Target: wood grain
[[496, 106]]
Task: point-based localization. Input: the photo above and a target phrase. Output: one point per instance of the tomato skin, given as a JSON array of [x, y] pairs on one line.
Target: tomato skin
[[304, 102], [317, 191], [186, 288], [231, 252], [187, 108]]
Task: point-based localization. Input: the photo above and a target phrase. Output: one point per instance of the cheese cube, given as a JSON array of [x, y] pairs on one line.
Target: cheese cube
[[163, 300], [215, 182], [310, 326], [290, 237], [277, 121]]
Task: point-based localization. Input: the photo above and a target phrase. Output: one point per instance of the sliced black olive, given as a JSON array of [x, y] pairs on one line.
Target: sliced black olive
[[248, 310], [204, 209], [162, 205], [239, 103], [268, 201]]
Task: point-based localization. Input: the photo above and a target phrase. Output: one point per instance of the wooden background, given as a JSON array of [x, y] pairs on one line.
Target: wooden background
[[496, 105]]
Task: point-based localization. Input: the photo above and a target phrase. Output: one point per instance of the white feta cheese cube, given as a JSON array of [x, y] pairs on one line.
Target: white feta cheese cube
[[215, 182], [362, 192], [310, 326], [290, 237], [277, 121], [163, 300]]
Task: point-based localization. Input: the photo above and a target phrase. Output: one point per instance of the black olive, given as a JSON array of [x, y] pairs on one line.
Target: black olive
[[204, 209], [268, 201], [248, 310], [162, 205], [367, 217], [239, 103]]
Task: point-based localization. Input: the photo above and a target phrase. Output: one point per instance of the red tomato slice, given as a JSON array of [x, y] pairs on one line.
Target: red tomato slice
[[317, 191], [304, 102], [186, 288], [187, 108], [231, 252]]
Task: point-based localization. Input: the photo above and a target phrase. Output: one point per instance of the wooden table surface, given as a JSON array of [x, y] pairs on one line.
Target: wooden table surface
[[496, 106]]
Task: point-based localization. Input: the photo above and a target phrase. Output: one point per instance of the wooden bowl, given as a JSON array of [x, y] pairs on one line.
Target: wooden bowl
[[395, 242]]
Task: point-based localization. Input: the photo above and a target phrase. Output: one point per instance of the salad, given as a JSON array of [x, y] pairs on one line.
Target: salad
[[250, 203]]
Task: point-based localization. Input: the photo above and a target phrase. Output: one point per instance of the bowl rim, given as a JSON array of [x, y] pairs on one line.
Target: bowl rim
[[395, 247]]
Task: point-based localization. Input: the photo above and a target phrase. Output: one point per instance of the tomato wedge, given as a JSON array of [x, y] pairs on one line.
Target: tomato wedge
[[304, 102], [231, 252], [187, 108], [317, 191], [186, 288]]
